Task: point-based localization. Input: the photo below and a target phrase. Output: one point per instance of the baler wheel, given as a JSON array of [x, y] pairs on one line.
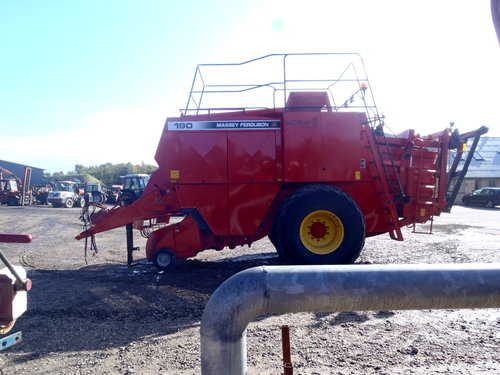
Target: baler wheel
[[164, 259], [319, 224]]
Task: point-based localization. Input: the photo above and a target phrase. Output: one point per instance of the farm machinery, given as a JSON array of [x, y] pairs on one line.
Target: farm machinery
[[66, 194], [13, 190], [292, 154]]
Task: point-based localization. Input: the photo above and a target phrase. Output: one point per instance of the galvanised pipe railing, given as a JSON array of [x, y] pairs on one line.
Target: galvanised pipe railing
[[285, 289]]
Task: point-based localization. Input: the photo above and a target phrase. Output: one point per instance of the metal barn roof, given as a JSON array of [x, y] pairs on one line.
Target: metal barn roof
[[485, 162]]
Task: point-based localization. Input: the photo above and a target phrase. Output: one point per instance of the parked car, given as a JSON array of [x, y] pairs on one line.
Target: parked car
[[489, 197]]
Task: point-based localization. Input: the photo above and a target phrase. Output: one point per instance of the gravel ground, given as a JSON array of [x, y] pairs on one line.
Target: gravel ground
[[106, 318]]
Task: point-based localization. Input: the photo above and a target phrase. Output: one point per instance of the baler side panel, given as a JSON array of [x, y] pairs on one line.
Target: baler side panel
[[252, 157], [322, 146], [210, 167], [248, 205], [211, 200], [194, 157], [253, 176], [366, 196]]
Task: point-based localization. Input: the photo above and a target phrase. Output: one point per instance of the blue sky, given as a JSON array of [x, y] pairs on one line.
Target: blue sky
[[90, 82]]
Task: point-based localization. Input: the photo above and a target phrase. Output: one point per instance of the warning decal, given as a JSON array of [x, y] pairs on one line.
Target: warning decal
[[224, 125]]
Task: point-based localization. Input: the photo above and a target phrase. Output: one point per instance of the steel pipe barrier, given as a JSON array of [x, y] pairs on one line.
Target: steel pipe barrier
[[286, 289]]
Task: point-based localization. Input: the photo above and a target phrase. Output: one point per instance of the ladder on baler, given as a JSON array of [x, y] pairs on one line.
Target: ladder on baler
[[381, 165], [424, 202]]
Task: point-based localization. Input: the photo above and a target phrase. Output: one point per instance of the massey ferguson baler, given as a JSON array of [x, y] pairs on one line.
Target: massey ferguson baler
[[315, 170]]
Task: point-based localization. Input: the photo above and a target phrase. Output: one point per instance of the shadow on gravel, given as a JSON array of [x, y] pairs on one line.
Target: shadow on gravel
[[111, 305]]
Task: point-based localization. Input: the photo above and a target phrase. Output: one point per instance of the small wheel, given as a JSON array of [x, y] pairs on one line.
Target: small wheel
[[68, 203], [490, 204], [466, 202], [80, 202], [319, 224], [164, 259]]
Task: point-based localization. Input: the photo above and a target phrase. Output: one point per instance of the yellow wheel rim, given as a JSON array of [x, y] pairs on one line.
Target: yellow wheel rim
[[321, 232]]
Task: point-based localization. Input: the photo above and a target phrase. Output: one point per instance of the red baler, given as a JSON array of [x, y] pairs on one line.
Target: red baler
[[315, 174]]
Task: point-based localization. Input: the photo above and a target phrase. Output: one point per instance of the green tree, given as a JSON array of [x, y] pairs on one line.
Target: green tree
[[110, 173]]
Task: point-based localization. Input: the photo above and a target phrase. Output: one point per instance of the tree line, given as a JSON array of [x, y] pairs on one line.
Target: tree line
[[108, 173]]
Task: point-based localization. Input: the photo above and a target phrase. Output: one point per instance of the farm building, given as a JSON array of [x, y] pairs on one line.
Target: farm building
[[484, 169], [18, 170]]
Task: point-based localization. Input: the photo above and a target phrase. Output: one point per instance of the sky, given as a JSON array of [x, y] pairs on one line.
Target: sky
[[91, 82]]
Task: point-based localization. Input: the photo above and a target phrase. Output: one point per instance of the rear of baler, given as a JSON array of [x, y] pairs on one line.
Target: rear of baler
[[317, 175]]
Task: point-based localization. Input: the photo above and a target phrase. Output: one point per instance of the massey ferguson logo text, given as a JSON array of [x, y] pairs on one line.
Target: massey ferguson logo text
[[223, 125]]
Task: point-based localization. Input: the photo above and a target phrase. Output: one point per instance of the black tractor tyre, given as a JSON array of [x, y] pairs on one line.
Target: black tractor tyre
[[319, 224], [13, 201], [80, 202], [276, 241], [68, 203], [127, 197], [164, 259], [98, 198]]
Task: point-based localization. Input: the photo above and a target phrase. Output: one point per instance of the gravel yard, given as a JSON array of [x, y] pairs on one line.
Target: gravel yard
[[106, 318]]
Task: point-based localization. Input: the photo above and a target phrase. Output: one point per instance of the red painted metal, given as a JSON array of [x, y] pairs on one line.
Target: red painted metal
[[13, 285], [15, 238]]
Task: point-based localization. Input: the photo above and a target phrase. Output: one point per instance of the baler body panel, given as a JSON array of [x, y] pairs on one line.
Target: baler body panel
[[211, 201], [252, 166], [228, 173], [248, 206], [322, 146]]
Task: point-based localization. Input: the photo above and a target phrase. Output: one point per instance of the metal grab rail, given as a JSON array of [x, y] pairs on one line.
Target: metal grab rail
[[216, 79], [285, 289]]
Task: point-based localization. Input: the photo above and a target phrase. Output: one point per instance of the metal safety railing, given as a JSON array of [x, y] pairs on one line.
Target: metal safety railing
[[266, 82], [286, 289]]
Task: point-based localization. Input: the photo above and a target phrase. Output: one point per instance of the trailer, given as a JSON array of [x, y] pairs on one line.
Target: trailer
[[313, 167]]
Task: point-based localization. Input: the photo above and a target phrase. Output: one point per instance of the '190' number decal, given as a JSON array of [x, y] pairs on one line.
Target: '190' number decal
[[183, 125]]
